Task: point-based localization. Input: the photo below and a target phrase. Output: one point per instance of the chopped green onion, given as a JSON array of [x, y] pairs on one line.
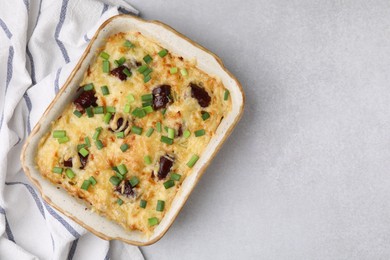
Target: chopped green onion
[[149, 132], [77, 113], [98, 110], [175, 177], [147, 160], [119, 201], [193, 160], [173, 70], [186, 133], [122, 169], [162, 53], [136, 130], [147, 103], [124, 147], [166, 128], [84, 152], [63, 140], [115, 169], [147, 97], [166, 140], [120, 134], [184, 72], [147, 72], [89, 111], [148, 109], [130, 98], [160, 205], [164, 111], [115, 180], [127, 108], [104, 55], [147, 59], [169, 184], [226, 95], [147, 78], [120, 176], [97, 133], [142, 203], [110, 109], [99, 144], [70, 173], [127, 72], [153, 221], [105, 90], [57, 170], [86, 185], [142, 68], [159, 127], [88, 87], [106, 66], [80, 146], [120, 61], [134, 181], [200, 132], [107, 118], [87, 141], [138, 112], [128, 44], [92, 180], [171, 133], [205, 115], [59, 133]]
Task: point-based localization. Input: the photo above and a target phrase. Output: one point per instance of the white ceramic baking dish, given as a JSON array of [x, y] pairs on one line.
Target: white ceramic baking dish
[[174, 42]]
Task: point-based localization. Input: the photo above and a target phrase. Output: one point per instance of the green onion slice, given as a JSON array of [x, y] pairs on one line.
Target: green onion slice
[[153, 221], [120, 61], [148, 109], [98, 110], [99, 144], [186, 133], [106, 66], [193, 160], [169, 184], [122, 169], [69, 173], [160, 205], [88, 87], [92, 180], [142, 203], [162, 53], [147, 159], [134, 181], [130, 98], [147, 59], [226, 95], [173, 70], [159, 127], [85, 185], [84, 152], [119, 201], [147, 97], [59, 133], [205, 115], [107, 118], [63, 140], [142, 68], [105, 90], [175, 176], [149, 132], [111, 109], [171, 133], [127, 108], [199, 132], [115, 180], [127, 72], [184, 72], [128, 44], [147, 79], [166, 140], [77, 113], [104, 55], [124, 147], [97, 133], [57, 170], [136, 130]]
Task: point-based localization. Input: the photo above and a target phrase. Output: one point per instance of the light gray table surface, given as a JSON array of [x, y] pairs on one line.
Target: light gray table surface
[[306, 173]]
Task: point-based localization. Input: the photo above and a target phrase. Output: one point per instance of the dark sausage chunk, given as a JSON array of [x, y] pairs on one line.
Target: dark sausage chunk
[[86, 99], [83, 160], [179, 131], [125, 188], [118, 72], [161, 96], [200, 94], [166, 164], [68, 163]]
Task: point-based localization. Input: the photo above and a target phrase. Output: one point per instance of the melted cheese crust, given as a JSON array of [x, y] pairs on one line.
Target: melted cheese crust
[[184, 111]]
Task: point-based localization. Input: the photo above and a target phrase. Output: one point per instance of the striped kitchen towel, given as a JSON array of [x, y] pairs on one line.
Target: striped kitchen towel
[[40, 41]]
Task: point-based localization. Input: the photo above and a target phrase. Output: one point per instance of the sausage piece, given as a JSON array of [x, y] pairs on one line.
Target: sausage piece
[[200, 94]]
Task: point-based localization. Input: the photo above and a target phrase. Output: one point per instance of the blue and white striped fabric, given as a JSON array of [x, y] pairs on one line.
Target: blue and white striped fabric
[[40, 41]]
